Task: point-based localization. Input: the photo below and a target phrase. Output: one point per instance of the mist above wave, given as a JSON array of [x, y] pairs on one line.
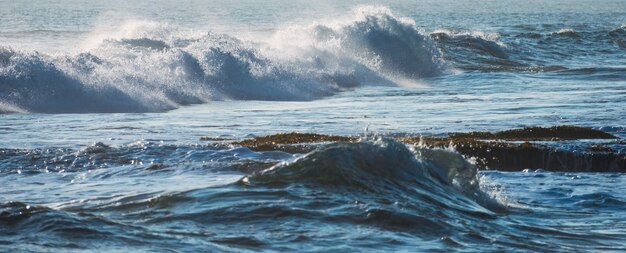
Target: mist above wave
[[150, 66]]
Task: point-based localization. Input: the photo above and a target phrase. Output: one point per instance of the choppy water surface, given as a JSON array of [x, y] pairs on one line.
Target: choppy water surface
[[103, 106], [371, 195]]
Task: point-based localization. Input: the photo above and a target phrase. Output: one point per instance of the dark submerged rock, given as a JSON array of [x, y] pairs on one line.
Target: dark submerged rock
[[291, 142], [539, 134], [490, 151]]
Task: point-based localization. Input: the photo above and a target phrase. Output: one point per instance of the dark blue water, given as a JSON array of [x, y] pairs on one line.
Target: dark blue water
[[371, 195], [103, 106]]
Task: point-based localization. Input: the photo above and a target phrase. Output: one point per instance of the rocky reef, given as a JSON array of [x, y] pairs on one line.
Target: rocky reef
[[291, 142], [550, 149], [556, 133], [559, 148]]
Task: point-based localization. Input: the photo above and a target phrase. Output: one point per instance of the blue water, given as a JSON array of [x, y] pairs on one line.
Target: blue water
[[102, 107]]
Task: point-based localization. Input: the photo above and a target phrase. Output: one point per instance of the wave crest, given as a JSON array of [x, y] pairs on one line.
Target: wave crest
[[149, 68], [566, 32], [443, 177]]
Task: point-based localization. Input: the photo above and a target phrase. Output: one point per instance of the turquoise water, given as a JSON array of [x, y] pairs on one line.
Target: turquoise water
[[103, 106]]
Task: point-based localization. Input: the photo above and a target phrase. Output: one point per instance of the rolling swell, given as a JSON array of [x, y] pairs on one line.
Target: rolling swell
[[395, 196], [155, 67], [477, 51], [27, 228], [384, 165], [536, 48], [381, 187], [383, 184], [488, 52]]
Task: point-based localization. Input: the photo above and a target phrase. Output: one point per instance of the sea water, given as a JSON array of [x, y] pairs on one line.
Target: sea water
[[104, 104]]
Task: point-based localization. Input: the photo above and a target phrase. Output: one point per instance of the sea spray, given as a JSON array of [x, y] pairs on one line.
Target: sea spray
[[147, 68]]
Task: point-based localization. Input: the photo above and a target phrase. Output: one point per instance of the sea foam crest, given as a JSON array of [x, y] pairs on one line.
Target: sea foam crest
[[372, 38], [149, 66]]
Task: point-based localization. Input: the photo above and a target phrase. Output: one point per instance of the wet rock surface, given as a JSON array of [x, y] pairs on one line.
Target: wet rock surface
[[510, 150], [292, 142], [555, 133]]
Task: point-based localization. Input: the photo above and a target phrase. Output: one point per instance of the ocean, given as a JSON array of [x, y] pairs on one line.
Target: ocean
[[121, 126]]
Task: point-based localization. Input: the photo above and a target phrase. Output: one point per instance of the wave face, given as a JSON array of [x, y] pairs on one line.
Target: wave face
[[443, 178], [379, 186], [567, 52], [154, 67], [374, 195]]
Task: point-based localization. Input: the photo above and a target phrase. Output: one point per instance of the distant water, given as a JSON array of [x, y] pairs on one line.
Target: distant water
[[103, 104]]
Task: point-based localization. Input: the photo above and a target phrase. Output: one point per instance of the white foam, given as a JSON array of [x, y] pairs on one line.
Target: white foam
[[151, 66]]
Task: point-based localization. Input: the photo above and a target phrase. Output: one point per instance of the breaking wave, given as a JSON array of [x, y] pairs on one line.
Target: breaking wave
[[152, 67], [155, 67]]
